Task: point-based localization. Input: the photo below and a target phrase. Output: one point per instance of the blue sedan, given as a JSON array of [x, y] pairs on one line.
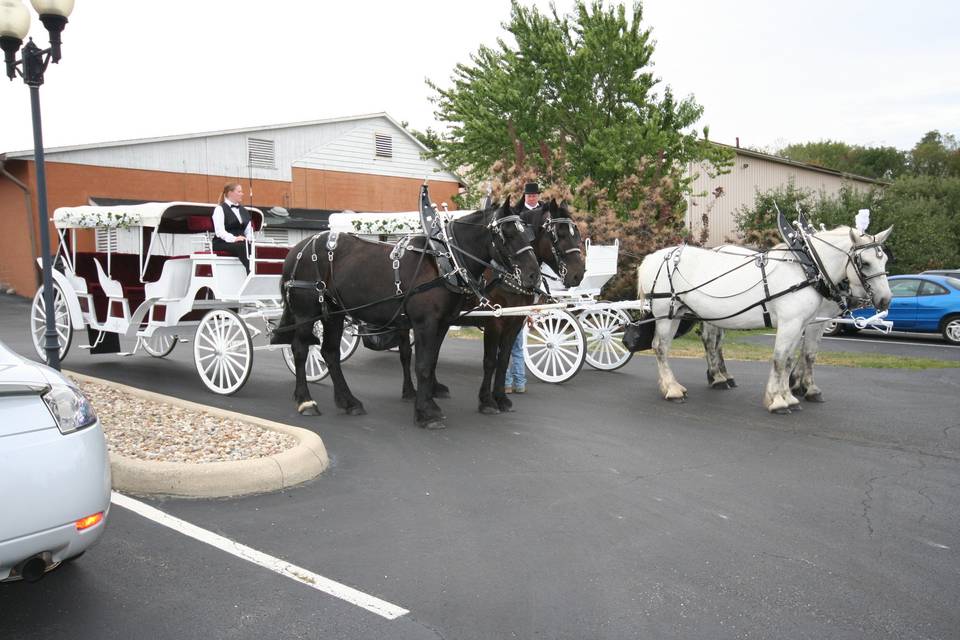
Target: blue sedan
[[923, 303]]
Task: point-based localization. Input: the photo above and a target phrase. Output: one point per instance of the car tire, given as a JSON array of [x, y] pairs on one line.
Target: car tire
[[832, 328], [951, 329]]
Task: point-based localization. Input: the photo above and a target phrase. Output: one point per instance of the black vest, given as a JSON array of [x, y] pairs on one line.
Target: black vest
[[230, 222]]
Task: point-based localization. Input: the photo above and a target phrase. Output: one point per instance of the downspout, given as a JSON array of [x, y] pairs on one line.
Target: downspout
[[28, 209]]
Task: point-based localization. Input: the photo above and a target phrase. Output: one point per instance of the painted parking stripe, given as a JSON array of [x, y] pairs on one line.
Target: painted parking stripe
[[284, 568]]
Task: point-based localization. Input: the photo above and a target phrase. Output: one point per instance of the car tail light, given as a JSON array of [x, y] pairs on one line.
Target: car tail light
[[89, 521], [69, 407]]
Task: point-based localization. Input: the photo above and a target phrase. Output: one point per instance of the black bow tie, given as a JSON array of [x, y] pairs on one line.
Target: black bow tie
[[234, 206]]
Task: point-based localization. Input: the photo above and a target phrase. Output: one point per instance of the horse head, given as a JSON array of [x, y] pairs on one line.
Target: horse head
[[866, 269], [512, 245], [558, 243]]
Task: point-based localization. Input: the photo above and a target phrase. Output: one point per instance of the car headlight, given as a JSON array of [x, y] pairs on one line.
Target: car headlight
[[69, 407]]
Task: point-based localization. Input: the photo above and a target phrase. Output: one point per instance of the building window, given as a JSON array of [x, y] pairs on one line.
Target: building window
[[261, 153], [384, 145], [280, 236], [106, 239]]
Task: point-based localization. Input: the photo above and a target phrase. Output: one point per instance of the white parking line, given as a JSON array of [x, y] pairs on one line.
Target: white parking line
[[284, 568]]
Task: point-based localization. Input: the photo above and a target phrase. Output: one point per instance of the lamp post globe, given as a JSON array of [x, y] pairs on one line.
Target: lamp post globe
[[14, 26]]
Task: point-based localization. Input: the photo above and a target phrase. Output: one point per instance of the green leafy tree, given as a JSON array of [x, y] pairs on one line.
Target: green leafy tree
[[572, 102], [881, 163], [936, 155]]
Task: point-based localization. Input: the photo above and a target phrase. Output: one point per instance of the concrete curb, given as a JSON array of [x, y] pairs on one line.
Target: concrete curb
[[303, 462]]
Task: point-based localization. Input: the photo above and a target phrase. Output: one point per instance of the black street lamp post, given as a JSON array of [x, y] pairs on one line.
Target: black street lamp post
[[14, 25]]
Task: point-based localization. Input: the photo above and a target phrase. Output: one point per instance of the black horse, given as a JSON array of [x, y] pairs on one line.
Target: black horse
[[391, 292], [557, 243]]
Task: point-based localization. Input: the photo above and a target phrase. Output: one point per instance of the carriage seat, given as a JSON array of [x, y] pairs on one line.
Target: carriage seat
[[268, 259]]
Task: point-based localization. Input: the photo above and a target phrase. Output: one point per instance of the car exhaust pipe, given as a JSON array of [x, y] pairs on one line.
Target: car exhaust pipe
[[32, 569]]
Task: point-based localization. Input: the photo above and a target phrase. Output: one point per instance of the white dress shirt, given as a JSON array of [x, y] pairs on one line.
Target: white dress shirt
[[220, 230]]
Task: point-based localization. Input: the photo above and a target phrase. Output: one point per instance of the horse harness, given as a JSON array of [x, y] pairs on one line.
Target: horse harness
[[800, 245], [442, 246]]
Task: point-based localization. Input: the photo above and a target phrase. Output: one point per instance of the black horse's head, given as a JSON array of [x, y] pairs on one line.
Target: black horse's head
[[558, 243], [512, 244]]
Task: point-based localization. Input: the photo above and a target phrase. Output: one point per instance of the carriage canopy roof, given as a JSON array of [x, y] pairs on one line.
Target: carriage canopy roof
[[148, 214]]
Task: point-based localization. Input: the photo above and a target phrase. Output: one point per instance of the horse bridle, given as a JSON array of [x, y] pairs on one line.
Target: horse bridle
[[500, 250], [550, 224], [841, 291]]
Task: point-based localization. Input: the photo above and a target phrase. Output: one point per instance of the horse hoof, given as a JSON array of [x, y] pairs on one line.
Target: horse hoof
[[796, 407], [433, 424], [308, 409], [782, 411], [814, 397], [679, 400], [356, 410], [731, 383], [487, 410], [720, 385], [441, 391]]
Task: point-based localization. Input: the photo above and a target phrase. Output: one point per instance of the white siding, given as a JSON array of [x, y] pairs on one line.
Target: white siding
[[356, 152], [748, 175], [334, 145]]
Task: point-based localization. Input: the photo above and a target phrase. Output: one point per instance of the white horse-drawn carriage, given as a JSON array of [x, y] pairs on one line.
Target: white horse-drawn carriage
[[146, 275]]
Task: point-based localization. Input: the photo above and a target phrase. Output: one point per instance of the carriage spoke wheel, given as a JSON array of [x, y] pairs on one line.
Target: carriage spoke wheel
[[350, 340], [554, 347], [316, 368], [159, 345], [38, 323], [223, 351], [604, 329]]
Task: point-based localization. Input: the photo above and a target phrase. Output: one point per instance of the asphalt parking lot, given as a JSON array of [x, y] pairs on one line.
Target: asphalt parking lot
[[595, 510]]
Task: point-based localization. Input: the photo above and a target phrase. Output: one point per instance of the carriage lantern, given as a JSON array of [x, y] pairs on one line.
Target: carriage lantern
[[14, 26]]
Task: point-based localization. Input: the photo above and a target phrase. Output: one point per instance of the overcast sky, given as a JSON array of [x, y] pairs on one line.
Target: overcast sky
[[770, 72]]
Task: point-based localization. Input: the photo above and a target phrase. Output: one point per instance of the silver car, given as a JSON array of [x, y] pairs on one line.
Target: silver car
[[54, 470]]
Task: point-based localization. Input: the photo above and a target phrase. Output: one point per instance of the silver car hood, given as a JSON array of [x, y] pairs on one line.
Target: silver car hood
[[17, 370]]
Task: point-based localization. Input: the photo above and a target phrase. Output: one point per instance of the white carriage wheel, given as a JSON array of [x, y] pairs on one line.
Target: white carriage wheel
[[223, 351], [316, 367], [38, 322], [159, 345], [350, 340], [604, 328], [554, 347]]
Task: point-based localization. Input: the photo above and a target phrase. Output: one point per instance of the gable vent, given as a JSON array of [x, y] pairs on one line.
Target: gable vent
[[384, 144], [261, 153]]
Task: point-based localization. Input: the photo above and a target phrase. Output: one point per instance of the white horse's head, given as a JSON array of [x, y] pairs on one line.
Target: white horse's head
[[867, 268], [859, 259]]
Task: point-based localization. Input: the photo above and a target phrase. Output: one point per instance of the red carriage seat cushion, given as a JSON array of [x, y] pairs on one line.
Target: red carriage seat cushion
[[199, 224]]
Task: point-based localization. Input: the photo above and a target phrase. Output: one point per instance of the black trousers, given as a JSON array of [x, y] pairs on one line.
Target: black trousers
[[236, 249]]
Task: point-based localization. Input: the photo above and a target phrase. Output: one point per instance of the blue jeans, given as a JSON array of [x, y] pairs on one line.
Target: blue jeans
[[516, 372]]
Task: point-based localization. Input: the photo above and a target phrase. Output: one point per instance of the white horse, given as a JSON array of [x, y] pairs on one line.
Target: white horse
[[737, 288], [801, 378]]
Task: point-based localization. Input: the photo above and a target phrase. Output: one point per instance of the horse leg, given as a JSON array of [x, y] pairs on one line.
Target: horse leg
[[344, 399], [777, 397], [802, 382], [302, 338], [508, 336], [427, 413], [409, 391], [491, 346], [662, 339], [712, 338]]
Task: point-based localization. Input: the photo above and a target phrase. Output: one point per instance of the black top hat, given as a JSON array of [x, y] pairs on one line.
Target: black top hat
[[531, 187]]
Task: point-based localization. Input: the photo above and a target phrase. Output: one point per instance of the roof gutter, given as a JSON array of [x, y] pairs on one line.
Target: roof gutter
[[27, 208]]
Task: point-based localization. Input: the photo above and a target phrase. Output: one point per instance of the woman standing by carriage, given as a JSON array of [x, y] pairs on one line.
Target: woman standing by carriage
[[232, 224]]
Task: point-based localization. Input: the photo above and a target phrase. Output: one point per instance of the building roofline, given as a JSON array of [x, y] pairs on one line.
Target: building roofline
[[28, 153], [803, 165]]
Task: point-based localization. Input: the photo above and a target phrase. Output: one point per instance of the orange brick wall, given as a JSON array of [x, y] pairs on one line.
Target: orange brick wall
[[75, 184]]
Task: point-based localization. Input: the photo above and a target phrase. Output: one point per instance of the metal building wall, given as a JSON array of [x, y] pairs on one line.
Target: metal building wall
[[749, 175]]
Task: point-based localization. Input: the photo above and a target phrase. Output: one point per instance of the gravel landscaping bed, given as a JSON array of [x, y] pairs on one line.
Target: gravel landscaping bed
[[160, 432]]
